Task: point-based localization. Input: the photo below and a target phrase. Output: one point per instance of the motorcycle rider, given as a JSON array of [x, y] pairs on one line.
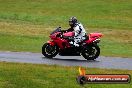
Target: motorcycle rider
[[78, 29]]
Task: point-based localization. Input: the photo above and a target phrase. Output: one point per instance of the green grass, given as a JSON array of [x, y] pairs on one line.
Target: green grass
[[95, 13], [13, 75], [26, 24], [116, 49], [21, 43]]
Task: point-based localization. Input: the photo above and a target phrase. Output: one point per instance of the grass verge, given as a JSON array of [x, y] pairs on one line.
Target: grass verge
[[13, 75]]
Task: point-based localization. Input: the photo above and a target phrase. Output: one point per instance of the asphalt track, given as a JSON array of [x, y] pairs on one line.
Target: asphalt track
[[38, 58]]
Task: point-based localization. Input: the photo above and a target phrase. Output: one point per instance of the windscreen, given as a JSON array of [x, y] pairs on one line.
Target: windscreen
[[56, 30]]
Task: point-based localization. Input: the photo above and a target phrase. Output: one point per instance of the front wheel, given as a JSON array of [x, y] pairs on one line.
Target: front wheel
[[91, 52], [49, 51]]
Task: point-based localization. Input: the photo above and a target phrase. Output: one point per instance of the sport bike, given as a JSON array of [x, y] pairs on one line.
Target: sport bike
[[59, 44]]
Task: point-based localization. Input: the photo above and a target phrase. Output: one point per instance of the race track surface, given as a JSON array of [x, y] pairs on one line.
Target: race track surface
[[38, 58]]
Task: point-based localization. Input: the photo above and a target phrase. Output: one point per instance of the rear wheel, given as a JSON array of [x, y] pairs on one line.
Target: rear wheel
[[91, 52], [49, 51]]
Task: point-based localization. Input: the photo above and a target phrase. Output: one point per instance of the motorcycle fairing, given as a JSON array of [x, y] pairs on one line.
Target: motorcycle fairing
[[93, 36]]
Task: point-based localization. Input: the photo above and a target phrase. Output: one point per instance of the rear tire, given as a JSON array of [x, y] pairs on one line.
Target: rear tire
[[49, 51], [91, 52]]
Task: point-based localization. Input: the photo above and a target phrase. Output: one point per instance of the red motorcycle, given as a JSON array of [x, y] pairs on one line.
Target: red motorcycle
[[59, 43]]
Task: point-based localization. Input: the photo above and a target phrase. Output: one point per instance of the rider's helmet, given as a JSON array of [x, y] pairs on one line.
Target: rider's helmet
[[72, 21]]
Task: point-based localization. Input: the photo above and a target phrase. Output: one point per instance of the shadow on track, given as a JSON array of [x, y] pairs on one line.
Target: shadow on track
[[74, 60]]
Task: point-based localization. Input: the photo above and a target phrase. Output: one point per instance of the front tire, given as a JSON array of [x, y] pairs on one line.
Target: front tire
[[49, 51], [91, 52]]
